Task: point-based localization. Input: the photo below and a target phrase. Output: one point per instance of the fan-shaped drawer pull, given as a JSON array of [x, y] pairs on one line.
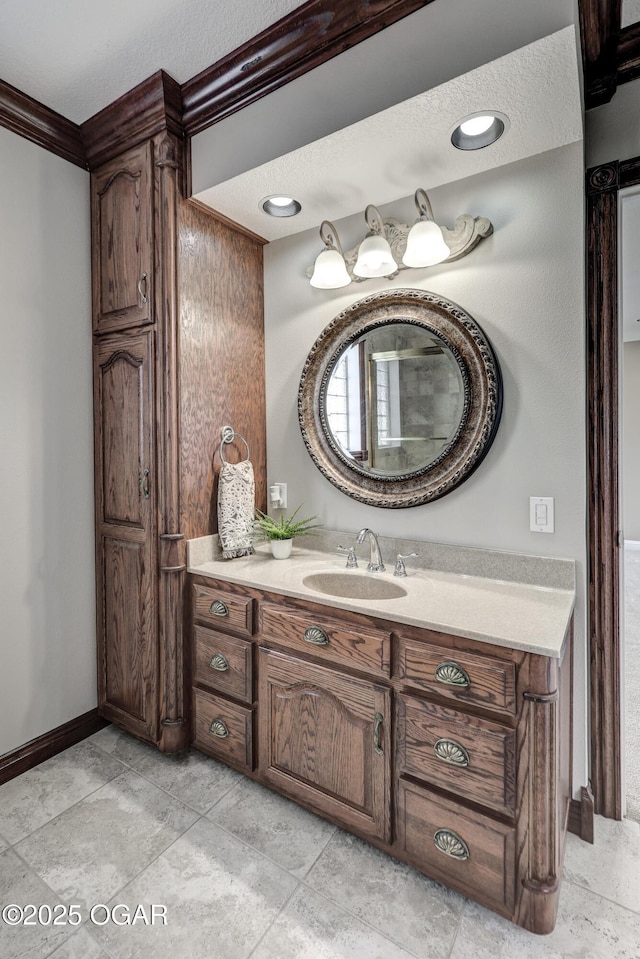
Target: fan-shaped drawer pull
[[449, 751], [219, 663], [218, 608], [219, 728], [450, 674], [316, 636], [449, 843]]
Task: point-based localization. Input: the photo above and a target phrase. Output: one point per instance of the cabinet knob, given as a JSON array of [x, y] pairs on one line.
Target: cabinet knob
[[219, 728], [449, 751], [449, 843], [218, 608], [219, 662], [450, 674], [316, 636]]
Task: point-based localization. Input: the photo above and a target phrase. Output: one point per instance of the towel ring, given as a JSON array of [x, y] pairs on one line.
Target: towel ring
[[228, 436]]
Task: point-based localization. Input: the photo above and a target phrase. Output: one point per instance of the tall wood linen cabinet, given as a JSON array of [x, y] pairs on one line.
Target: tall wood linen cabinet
[[178, 353]]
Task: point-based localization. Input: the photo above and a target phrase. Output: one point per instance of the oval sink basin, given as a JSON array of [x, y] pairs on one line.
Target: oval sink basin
[[354, 585]]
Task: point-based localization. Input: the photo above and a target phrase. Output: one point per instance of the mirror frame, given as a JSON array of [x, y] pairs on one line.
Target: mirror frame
[[481, 377]]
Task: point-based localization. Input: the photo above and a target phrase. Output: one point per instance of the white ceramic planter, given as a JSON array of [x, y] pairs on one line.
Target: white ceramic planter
[[281, 548]]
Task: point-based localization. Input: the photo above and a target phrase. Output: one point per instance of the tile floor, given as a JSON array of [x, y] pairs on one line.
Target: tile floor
[[244, 873]]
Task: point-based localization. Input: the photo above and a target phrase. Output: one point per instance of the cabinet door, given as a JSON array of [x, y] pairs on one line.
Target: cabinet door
[[122, 243], [125, 554], [325, 740]]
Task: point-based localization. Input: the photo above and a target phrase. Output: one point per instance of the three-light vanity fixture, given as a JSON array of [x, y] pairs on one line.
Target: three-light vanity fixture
[[390, 246]]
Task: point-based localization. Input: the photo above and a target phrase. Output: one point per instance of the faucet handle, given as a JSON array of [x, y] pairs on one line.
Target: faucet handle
[[400, 569], [352, 559]]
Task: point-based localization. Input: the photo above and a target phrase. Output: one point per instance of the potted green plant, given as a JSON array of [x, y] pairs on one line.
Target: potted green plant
[[281, 533]]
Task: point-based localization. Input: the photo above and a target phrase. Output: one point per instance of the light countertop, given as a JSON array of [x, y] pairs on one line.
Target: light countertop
[[515, 615]]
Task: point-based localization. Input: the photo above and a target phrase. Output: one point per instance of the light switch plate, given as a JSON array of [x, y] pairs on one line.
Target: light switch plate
[[541, 514]]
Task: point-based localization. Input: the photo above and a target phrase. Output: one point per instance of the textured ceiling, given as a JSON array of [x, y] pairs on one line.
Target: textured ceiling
[[77, 56], [388, 155]]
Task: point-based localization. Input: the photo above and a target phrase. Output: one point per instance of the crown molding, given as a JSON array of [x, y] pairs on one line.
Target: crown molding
[[610, 53], [305, 38], [154, 106], [599, 32], [34, 121]]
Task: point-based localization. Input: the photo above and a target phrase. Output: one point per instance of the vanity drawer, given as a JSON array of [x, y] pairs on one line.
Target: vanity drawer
[[458, 675], [223, 663], [471, 757], [457, 846], [223, 729], [364, 649], [222, 610]]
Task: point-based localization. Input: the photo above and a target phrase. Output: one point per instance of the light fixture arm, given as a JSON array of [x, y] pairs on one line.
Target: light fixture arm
[[374, 221], [329, 236], [423, 204]]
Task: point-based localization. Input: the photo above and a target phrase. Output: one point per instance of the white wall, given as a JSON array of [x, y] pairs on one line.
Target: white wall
[[47, 621], [525, 287], [612, 131], [631, 439]]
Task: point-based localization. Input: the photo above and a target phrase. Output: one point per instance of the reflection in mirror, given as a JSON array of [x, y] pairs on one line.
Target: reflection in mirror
[[394, 399]]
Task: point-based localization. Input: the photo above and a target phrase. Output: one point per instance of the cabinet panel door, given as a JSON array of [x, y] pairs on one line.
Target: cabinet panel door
[[325, 740], [122, 224], [125, 553]]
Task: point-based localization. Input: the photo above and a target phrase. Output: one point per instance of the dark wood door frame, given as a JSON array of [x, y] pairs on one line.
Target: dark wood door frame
[[605, 536]]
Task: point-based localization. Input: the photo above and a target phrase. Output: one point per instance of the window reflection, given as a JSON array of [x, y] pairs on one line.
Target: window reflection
[[395, 399]]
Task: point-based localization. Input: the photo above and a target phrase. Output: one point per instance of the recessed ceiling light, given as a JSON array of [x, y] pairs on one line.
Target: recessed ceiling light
[[280, 205], [479, 130]]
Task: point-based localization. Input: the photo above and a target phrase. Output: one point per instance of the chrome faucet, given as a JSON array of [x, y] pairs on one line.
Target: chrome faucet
[[375, 560]]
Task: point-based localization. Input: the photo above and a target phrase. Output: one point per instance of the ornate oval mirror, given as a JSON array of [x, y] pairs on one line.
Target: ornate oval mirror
[[400, 398]]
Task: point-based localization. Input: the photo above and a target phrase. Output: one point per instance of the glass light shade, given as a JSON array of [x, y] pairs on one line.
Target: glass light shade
[[425, 245], [330, 271], [375, 258]]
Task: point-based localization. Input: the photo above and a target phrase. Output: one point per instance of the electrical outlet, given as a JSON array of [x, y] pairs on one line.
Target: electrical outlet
[[278, 495]]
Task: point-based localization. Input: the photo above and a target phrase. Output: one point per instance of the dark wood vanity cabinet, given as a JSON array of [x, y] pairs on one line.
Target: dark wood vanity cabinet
[[178, 353], [450, 754]]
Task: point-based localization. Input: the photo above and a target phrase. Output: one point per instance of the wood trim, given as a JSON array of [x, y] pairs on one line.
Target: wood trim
[[174, 703], [602, 186], [610, 53], [603, 487], [581, 815], [49, 744], [628, 172], [307, 37], [227, 221], [599, 31], [34, 121], [629, 54], [153, 107]]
